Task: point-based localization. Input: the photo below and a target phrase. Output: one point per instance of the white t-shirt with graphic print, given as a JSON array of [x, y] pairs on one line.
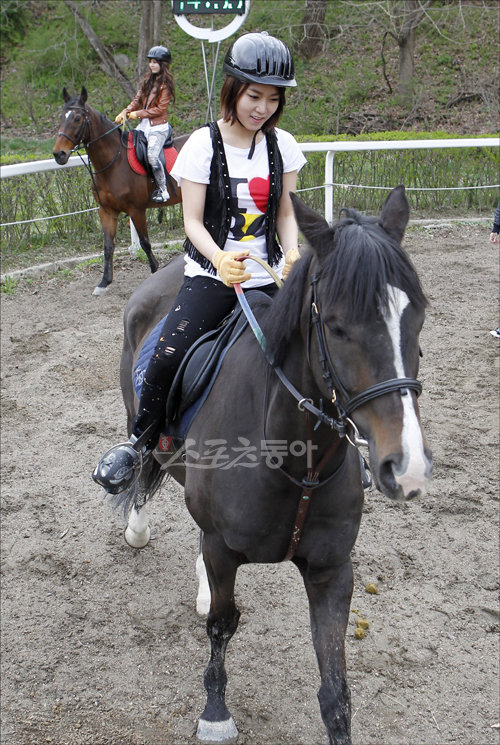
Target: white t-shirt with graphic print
[[249, 185]]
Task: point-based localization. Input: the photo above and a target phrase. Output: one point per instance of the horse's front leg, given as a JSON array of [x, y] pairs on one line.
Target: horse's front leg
[[137, 533], [216, 723], [329, 594], [139, 221], [108, 225]]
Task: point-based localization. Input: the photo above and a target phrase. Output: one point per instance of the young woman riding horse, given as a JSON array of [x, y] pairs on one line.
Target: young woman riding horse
[[116, 185], [150, 105], [236, 176]]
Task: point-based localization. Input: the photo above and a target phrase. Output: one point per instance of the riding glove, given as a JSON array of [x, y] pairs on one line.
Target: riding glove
[[120, 118], [229, 269], [291, 257]]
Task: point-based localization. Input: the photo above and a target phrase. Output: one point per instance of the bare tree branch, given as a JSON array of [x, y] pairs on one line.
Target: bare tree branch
[[108, 63]]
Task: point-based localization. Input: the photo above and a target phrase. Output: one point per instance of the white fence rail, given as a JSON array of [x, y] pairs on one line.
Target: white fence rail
[[330, 148]]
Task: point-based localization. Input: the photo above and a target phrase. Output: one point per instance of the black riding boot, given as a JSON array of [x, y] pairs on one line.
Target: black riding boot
[[121, 466]]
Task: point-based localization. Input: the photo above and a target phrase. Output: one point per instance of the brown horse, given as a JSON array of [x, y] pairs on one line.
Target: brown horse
[[116, 187]]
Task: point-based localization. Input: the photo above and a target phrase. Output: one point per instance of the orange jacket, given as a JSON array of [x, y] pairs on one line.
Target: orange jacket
[[155, 108]]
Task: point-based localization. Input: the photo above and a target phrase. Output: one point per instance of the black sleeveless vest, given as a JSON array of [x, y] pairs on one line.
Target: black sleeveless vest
[[219, 203]]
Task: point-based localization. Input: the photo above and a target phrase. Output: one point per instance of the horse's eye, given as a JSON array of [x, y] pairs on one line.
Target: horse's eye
[[337, 331]]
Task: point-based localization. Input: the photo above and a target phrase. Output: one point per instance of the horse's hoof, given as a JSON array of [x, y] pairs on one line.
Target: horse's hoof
[[137, 539], [217, 732], [99, 290]]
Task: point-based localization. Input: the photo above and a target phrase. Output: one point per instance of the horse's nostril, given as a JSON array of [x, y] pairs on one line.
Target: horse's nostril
[[386, 474]]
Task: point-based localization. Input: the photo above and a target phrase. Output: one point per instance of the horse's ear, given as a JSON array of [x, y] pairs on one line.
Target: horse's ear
[[66, 95], [395, 213], [83, 94], [315, 228]]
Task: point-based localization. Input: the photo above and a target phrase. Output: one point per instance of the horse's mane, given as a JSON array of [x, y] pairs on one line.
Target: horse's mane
[[358, 262]]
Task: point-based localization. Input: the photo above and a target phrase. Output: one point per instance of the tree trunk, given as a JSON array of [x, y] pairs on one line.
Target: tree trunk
[[108, 63], [412, 13], [149, 32], [406, 65], [313, 37]]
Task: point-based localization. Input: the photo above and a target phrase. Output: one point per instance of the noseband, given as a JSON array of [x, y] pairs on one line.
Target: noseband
[[346, 405]]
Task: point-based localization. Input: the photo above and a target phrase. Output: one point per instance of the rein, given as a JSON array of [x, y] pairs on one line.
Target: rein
[[335, 387]]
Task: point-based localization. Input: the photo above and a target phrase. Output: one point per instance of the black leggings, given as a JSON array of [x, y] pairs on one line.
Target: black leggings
[[202, 303]]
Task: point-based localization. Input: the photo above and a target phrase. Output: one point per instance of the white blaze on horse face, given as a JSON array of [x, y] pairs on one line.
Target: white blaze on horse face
[[68, 113], [414, 470]]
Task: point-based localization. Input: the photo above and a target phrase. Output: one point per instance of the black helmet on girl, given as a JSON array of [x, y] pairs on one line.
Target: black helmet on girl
[[260, 58], [162, 54]]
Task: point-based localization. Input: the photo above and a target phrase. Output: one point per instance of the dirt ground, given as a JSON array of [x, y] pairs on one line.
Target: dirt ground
[[101, 644]]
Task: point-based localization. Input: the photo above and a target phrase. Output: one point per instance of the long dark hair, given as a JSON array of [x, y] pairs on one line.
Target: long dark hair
[[232, 89], [164, 77]]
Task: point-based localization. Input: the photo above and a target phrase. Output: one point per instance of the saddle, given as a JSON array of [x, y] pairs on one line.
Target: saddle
[[137, 154], [199, 368]]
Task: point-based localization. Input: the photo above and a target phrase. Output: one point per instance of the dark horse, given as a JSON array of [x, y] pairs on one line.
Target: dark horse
[[116, 187], [342, 336]]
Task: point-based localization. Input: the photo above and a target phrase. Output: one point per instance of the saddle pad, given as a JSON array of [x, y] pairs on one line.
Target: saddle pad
[[170, 154], [142, 363]]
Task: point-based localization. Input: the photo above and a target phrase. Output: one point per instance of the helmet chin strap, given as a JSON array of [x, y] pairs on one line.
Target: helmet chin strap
[[252, 146]]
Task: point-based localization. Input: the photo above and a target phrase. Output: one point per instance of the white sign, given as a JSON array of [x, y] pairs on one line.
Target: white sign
[[210, 34]]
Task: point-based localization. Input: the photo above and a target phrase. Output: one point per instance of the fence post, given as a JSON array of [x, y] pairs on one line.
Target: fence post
[[329, 171]]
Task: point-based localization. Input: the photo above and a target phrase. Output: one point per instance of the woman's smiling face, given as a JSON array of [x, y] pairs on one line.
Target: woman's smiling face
[[154, 66], [256, 105]]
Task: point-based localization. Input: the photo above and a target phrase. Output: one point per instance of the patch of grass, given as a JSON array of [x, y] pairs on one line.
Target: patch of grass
[[90, 263], [8, 285]]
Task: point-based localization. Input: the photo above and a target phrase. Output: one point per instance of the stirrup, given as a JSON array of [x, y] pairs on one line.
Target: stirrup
[[160, 196], [119, 468]]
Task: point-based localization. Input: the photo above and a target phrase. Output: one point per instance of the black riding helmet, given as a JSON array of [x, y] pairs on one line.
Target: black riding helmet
[[162, 54], [260, 58]]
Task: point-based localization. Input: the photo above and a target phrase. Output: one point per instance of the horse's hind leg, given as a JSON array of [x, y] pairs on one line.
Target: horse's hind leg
[[329, 594], [139, 220], [108, 224], [216, 724], [203, 597]]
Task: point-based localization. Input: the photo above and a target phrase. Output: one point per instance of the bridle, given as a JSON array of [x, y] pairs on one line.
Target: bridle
[[344, 404], [78, 142], [339, 396]]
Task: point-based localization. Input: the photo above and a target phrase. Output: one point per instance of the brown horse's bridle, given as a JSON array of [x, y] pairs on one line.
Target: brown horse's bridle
[[78, 139]]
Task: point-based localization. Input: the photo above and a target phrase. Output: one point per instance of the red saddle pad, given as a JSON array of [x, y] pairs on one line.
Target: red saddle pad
[[170, 157]]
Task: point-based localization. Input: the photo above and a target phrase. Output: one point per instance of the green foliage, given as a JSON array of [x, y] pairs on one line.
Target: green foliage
[[8, 285], [13, 20]]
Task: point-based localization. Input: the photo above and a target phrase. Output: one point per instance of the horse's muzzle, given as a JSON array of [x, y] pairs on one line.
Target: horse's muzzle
[[61, 157], [402, 480]]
